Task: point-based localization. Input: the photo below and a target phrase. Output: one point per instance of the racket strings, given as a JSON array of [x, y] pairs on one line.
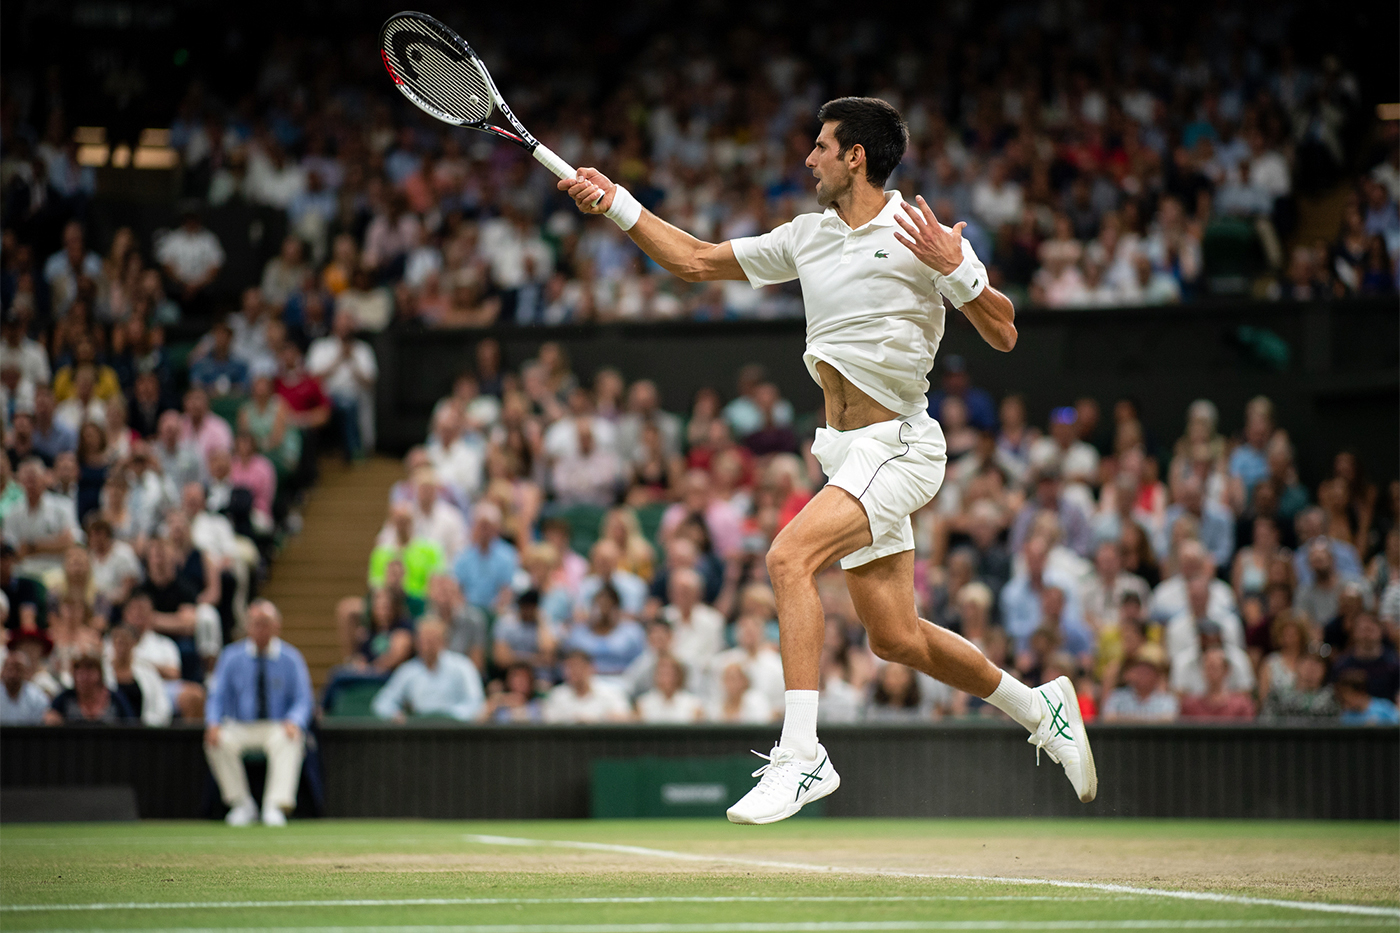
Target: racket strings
[[455, 87]]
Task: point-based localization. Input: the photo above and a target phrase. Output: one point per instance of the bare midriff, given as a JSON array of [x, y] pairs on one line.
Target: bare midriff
[[847, 407]]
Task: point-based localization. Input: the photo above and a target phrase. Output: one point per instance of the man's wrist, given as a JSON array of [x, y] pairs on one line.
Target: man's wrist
[[625, 210], [964, 283]]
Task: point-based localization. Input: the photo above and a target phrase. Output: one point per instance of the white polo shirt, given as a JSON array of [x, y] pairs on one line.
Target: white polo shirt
[[873, 309]]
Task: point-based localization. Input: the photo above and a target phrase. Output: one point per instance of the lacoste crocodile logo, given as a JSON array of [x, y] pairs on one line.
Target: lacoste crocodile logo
[[881, 254]]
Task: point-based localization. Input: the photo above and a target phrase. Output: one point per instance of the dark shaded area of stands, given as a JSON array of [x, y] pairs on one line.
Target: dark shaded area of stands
[[1331, 368]]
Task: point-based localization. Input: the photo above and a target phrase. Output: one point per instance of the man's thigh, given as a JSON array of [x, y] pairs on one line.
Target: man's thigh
[[882, 592], [830, 526], [243, 736]]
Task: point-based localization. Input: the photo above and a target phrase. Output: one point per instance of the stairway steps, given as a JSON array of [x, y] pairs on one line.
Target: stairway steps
[[327, 561]]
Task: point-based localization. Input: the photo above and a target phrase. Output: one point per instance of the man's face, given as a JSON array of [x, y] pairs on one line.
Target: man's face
[[1142, 678], [262, 626], [834, 178], [577, 671], [31, 477], [15, 671], [430, 641]]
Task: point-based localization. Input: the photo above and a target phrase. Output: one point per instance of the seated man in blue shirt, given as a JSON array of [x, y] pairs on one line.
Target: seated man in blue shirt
[[259, 699], [1359, 708], [437, 682]]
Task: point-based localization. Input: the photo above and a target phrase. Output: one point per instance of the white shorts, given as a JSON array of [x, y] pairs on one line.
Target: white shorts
[[894, 468]]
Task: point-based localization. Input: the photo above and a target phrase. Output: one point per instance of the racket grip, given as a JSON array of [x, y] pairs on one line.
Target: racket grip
[[546, 157]]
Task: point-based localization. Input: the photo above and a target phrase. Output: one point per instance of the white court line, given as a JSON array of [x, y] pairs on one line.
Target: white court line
[[1208, 896], [534, 901], [855, 926]]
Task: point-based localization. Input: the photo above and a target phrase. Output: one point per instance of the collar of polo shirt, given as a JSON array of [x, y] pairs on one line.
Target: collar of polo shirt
[[883, 219]]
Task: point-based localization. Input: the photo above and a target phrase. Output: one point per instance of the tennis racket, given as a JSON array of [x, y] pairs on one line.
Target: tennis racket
[[435, 69]]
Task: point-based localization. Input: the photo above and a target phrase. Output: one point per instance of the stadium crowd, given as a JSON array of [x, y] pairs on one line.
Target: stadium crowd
[[1132, 160], [573, 553], [562, 552]]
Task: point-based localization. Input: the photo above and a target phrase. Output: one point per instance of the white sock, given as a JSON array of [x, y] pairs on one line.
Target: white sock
[[1017, 700], [800, 722]]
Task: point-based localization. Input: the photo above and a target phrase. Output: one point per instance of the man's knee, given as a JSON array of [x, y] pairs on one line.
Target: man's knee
[[787, 564], [899, 647]]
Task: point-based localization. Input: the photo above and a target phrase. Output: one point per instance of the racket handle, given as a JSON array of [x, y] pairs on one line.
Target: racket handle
[[546, 157]]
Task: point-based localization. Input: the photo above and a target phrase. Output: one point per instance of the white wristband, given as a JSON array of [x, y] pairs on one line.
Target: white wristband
[[964, 283], [625, 209]]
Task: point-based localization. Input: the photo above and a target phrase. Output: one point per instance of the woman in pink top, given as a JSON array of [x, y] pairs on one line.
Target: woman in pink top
[[253, 472]]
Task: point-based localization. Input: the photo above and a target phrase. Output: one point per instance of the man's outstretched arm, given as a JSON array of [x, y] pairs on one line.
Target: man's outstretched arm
[[675, 250], [941, 250]]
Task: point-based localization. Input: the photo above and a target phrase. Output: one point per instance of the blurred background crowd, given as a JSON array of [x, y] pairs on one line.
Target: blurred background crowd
[[560, 547], [1100, 157]]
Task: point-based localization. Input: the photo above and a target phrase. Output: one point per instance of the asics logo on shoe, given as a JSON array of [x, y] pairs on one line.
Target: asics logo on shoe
[[1058, 724], [809, 779], [881, 254]]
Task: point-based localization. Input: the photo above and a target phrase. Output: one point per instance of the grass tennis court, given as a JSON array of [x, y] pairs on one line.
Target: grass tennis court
[[699, 876]]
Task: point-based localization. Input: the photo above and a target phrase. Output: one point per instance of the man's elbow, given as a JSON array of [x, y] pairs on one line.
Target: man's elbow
[[1008, 339]]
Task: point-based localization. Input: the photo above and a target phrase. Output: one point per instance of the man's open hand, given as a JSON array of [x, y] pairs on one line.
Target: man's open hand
[[590, 189], [939, 249]]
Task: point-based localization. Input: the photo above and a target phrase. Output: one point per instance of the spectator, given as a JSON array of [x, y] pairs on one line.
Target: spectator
[[611, 640], [1310, 527], [466, 624], [757, 657], [347, 370], [583, 699], [88, 701], [1319, 598], [895, 697], [52, 436], [590, 474], [1104, 590], [668, 701], [219, 372], [526, 636], [1290, 636], [203, 428], [179, 458], [1359, 706], [738, 702], [1216, 522], [956, 381], [1308, 698], [1218, 701], [185, 697], [485, 568], [135, 679], [697, 630], [1049, 497], [375, 642], [1367, 652], [644, 408], [437, 682], [22, 703], [1144, 698], [743, 414], [66, 270], [1021, 599], [260, 699], [1183, 630], [604, 570], [192, 258], [42, 526], [517, 700]]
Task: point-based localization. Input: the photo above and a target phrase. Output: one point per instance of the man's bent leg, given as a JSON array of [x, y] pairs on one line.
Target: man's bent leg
[[284, 756], [226, 761], [883, 594]]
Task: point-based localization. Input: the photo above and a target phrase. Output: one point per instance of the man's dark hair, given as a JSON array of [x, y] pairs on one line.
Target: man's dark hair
[[876, 126]]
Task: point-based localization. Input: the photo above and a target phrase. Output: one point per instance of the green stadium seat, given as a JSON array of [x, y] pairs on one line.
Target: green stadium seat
[[353, 699], [649, 516]]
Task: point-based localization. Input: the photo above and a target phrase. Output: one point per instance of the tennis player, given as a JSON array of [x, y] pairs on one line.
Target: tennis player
[[874, 270]]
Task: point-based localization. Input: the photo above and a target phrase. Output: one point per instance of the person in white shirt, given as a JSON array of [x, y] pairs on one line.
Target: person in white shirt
[[437, 682], [584, 698], [42, 525], [738, 702], [755, 656], [668, 701], [18, 351], [433, 517], [22, 703], [347, 370], [65, 267], [191, 256], [875, 271], [697, 630], [459, 461], [162, 654]]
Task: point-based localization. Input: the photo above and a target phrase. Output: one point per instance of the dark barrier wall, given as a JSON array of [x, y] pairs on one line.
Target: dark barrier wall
[[1339, 387], [915, 771]]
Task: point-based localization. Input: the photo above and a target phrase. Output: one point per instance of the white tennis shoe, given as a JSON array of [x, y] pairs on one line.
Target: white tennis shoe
[[786, 784], [1061, 735], [243, 814]]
